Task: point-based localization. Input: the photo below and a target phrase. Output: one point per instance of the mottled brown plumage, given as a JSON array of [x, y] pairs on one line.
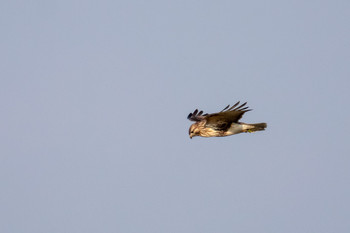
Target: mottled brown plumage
[[223, 123]]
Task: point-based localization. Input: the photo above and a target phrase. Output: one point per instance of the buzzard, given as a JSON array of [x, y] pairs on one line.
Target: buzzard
[[221, 124]]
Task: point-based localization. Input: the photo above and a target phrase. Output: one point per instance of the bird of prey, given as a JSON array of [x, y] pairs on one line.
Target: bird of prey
[[221, 124]]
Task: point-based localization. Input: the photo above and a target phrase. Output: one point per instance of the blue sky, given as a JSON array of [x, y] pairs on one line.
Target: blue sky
[[95, 95]]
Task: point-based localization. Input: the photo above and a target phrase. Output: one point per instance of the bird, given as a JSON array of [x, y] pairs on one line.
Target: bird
[[223, 123]]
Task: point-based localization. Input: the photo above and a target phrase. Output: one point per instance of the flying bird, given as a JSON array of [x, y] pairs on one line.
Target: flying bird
[[223, 123]]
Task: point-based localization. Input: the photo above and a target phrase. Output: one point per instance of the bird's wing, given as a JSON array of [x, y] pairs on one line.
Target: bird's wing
[[196, 116], [223, 119]]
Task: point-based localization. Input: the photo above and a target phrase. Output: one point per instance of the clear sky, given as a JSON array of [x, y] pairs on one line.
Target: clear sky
[[94, 97]]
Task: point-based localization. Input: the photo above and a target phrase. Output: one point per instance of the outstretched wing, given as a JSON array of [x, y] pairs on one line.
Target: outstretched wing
[[223, 119], [196, 116]]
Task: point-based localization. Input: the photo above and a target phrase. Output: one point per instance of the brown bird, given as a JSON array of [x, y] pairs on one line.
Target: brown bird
[[223, 123]]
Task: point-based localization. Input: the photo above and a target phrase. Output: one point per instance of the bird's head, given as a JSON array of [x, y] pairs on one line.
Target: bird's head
[[194, 130]]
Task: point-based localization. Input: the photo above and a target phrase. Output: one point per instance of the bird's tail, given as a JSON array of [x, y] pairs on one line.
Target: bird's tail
[[255, 127]]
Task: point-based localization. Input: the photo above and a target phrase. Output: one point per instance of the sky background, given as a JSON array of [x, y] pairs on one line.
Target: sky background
[[94, 97]]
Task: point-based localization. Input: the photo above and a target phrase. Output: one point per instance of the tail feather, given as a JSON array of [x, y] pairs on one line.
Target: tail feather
[[256, 127]]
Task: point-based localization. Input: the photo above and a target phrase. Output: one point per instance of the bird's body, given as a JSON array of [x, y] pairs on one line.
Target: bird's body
[[221, 124]]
